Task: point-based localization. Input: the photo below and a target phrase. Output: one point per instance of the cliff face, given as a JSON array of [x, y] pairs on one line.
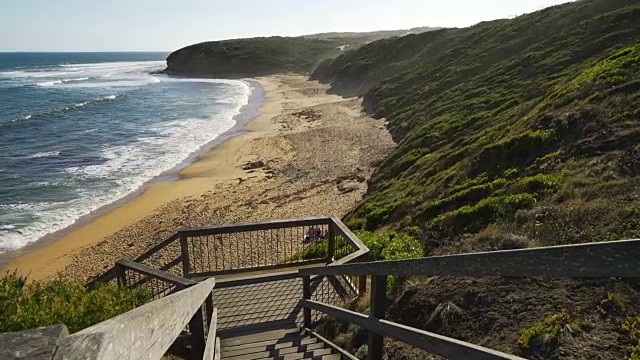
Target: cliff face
[[520, 127], [251, 57]]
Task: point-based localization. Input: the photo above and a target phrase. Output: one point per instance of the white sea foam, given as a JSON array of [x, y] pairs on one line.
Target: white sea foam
[[45, 154], [129, 166], [128, 73]]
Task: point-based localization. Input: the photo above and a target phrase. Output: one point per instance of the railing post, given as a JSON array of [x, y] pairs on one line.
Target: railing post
[[209, 305], [331, 242], [184, 250], [198, 341], [120, 275], [378, 306], [306, 295], [362, 285]]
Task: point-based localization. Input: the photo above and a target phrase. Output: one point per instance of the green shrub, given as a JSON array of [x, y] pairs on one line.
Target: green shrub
[[27, 305], [317, 250], [537, 184], [497, 239], [472, 218], [631, 326], [548, 331], [635, 352], [375, 242], [611, 304]]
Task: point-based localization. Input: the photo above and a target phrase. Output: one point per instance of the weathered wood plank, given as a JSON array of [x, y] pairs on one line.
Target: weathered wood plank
[[218, 351], [142, 333], [604, 259], [158, 274], [434, 343], [34, 344], [276, 224], [210, 349]]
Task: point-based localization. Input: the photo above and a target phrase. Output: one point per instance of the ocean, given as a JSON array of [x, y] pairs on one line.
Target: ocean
[[79, 131]]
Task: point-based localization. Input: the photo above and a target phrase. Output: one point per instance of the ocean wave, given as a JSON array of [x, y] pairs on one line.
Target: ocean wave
[[32, 74], [45, 154], [143, 80], [63, 81], [59, 110]]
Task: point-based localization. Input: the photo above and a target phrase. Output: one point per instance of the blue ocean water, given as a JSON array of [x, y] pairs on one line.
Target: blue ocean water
[[79, 131]]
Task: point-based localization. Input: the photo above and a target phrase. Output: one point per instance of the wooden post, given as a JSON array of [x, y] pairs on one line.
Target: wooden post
[[184, 250], [198, 341], [209, 305], [121, 277], [378, 306], [306, 294], [362, 285], [331, 246]]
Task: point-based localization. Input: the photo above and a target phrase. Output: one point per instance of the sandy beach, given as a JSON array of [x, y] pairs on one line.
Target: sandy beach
[[307, 153]]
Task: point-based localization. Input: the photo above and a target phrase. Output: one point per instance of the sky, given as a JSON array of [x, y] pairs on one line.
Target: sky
[[166, 25]]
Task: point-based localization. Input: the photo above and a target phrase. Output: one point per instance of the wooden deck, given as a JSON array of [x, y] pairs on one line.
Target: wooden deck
[[260, 316]]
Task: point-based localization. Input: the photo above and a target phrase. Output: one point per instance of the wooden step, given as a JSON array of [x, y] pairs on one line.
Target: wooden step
[[263, 352], [297, 355], [268, 345]]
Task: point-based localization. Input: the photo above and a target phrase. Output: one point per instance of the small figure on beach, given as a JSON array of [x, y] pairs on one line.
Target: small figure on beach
[[314, 234]]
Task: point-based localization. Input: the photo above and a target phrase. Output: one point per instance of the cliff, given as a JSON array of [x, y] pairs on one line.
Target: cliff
[[269, 55]]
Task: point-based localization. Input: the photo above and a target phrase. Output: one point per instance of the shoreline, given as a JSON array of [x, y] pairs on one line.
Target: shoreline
[[315, 151], [247, 113]]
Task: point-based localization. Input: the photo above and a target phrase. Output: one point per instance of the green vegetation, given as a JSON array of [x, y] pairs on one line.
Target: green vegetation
[[612, 304], [27, 305], [251, 57], [387, 246], [535, 115], [631, 326], [269, 55], [317, 250], [548, 331]]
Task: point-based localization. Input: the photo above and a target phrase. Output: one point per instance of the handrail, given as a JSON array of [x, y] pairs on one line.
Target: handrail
[[266, 225], [146, 332], [441, 345], [154, 273], [351, 238], [212, 342], [603, 259], [111, 273], [594, 260], [178, 243]]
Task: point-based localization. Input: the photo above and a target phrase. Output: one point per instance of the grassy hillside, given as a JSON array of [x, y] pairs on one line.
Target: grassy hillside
[[269, 55], [511, 133]]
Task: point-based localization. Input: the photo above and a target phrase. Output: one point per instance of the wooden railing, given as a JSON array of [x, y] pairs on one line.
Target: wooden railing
[[208, 251], [143, 333], [595, 260], [173, 266]]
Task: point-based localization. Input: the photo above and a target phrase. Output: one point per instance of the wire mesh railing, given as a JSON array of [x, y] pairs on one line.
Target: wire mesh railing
[[246, 247]]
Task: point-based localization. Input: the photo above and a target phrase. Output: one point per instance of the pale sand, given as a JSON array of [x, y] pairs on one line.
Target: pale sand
[[317, 148]]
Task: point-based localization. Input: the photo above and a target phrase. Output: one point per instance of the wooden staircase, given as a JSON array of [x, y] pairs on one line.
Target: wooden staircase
[[282, 344], [246, 292]]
